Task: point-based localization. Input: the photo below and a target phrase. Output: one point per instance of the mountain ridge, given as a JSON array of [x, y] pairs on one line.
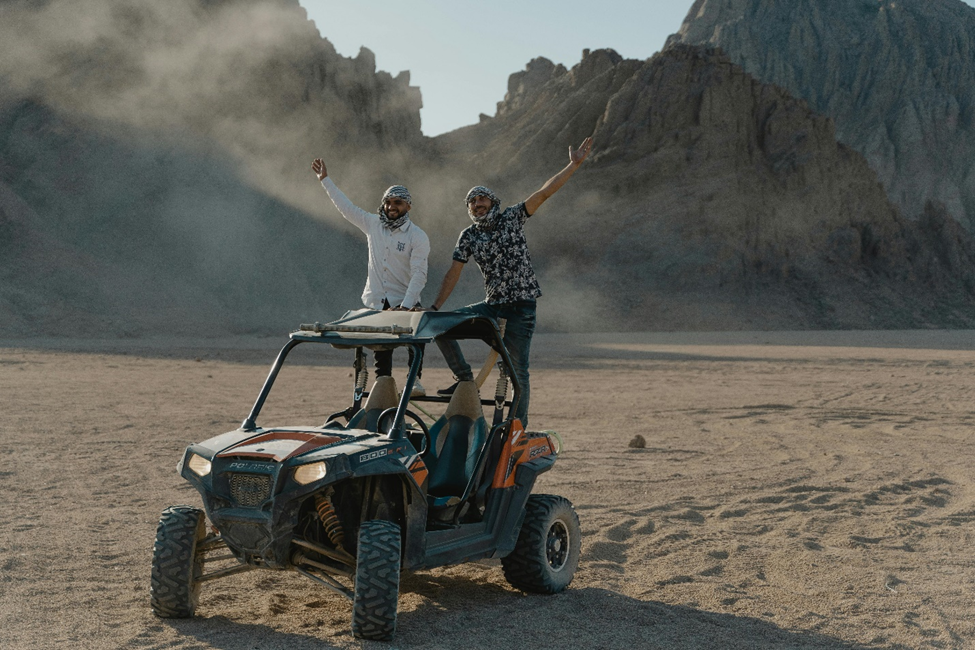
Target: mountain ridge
[[716, 190], [711, 201], [895, 75]]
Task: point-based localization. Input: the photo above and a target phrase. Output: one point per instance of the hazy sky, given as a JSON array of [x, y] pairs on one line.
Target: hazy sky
[[461, 52]]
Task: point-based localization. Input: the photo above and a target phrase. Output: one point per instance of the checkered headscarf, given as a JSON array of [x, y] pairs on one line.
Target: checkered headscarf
[[399, 192], [487, 221]]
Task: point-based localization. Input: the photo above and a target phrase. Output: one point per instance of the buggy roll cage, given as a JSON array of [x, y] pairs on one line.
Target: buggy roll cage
[[386, 330]]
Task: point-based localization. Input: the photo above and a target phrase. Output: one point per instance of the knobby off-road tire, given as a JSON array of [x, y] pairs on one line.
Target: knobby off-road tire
[[376, 581], [176, 564], [547, 552]]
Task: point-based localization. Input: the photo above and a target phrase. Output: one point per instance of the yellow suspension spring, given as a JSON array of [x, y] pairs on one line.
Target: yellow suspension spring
[[330, 520]]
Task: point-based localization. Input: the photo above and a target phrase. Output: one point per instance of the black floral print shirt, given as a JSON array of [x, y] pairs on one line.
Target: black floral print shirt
[[502, 255]]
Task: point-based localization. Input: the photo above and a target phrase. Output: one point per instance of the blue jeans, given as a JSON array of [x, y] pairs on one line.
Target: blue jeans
[[518, 331]]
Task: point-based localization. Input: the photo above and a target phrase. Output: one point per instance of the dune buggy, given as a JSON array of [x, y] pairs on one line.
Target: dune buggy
[[374, 490]]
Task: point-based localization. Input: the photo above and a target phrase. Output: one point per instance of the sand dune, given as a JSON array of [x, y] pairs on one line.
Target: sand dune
[[797, 490]]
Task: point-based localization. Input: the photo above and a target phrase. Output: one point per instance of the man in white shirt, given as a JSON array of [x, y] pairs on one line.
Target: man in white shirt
[[398, 252]]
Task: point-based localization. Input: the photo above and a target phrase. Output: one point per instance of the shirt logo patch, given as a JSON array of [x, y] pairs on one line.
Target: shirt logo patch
[[401, 246]]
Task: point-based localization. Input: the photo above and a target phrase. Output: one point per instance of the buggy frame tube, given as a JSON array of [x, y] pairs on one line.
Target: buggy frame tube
[[329, 582], [250, 423], [397, 431]]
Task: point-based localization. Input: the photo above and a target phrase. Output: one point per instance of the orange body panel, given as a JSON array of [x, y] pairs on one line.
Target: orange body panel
[[519, 447], [419, 472]]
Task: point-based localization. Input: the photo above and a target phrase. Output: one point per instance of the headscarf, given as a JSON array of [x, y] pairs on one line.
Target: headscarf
[[399, 192], [488, 221]]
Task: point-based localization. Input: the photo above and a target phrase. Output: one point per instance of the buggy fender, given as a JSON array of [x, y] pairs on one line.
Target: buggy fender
[[403, 463], [524, 481]]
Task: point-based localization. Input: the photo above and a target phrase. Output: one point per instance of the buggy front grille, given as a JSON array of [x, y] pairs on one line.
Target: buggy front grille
[[250, 490]]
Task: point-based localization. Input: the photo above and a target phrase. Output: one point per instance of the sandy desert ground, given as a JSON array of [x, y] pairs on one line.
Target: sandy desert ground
[[797, 490]]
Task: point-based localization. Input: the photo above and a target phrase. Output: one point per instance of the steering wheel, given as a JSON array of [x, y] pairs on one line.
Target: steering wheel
[[385, 424]]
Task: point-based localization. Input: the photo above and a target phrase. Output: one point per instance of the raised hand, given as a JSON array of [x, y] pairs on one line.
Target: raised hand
[[576, 156], [319, 168]]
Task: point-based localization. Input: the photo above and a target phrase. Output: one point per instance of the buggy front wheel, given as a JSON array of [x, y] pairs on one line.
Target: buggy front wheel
[[376, 581], [177, 564], [546, 555]]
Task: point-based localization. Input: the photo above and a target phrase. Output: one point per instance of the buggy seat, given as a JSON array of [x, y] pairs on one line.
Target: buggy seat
[[382, 396], [456, 440]]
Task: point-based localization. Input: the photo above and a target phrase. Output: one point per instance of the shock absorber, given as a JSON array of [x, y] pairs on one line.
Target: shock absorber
[[330, 520], [361, 377], [500, 393]]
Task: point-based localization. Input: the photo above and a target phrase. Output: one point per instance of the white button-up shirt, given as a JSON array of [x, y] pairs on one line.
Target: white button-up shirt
[[397, 258]]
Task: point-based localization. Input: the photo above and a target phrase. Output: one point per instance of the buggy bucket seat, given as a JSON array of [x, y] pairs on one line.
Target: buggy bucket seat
[[382, 396], [456, 440]]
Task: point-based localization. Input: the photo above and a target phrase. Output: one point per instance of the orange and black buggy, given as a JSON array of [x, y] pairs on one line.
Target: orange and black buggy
[[376, 489]]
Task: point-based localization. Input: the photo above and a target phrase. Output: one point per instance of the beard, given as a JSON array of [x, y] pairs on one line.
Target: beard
[[392, 223], [488, 220]]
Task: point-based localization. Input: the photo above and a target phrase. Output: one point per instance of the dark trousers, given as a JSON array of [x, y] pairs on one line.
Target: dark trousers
[[384, 358], [518, 331], [384, 362]]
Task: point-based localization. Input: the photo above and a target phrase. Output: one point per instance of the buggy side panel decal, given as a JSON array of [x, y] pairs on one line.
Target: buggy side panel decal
[[373, 455], [538, 447], [519, 447], [418, 470], [512, 451]]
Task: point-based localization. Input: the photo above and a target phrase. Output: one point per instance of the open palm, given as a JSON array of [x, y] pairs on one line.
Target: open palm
[[580, 154]]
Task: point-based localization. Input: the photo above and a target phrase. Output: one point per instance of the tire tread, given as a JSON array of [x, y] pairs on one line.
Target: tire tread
[[377, 581], [526, 567], [173, 591]]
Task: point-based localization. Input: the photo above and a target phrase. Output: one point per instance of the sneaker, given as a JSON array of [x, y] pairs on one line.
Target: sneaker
[[447, 392], [418, 389]]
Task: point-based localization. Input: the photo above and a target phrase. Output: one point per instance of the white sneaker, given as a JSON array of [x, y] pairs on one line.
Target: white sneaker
[[418, 389]]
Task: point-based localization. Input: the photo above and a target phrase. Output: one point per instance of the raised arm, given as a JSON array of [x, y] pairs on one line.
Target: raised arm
[[352, 213], [449, 282], [576, 156]]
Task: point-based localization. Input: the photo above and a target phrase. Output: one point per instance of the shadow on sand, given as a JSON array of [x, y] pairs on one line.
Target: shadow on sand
[[457, 612]]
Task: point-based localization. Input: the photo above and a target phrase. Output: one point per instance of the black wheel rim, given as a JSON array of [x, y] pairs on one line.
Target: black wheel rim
[[557, 545]]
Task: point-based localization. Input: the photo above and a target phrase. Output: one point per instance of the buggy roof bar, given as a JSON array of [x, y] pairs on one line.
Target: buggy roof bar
[[366, 327], [370, 329]]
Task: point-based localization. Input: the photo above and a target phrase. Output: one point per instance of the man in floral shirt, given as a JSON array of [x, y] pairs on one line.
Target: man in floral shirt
[[496, 241]]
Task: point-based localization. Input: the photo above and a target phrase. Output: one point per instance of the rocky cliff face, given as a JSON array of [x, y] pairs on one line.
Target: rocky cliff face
[[713, 200], [251, 77], [897, 76], [154, 178], [154, 165]]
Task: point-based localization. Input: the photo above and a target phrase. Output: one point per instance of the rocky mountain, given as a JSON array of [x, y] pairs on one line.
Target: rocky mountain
[[154, 165], [713, 201], [897, 76], [154, 179]]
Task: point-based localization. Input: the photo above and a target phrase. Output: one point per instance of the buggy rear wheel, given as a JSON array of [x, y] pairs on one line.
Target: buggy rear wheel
[[376, 581], [176, 563], [546, 555]]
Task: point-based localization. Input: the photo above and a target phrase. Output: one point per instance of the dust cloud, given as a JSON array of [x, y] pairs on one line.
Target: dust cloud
[[169, 145]]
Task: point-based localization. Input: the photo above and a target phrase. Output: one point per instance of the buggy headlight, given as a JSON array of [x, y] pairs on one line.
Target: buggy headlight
[[200, 465], [310, 473]]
